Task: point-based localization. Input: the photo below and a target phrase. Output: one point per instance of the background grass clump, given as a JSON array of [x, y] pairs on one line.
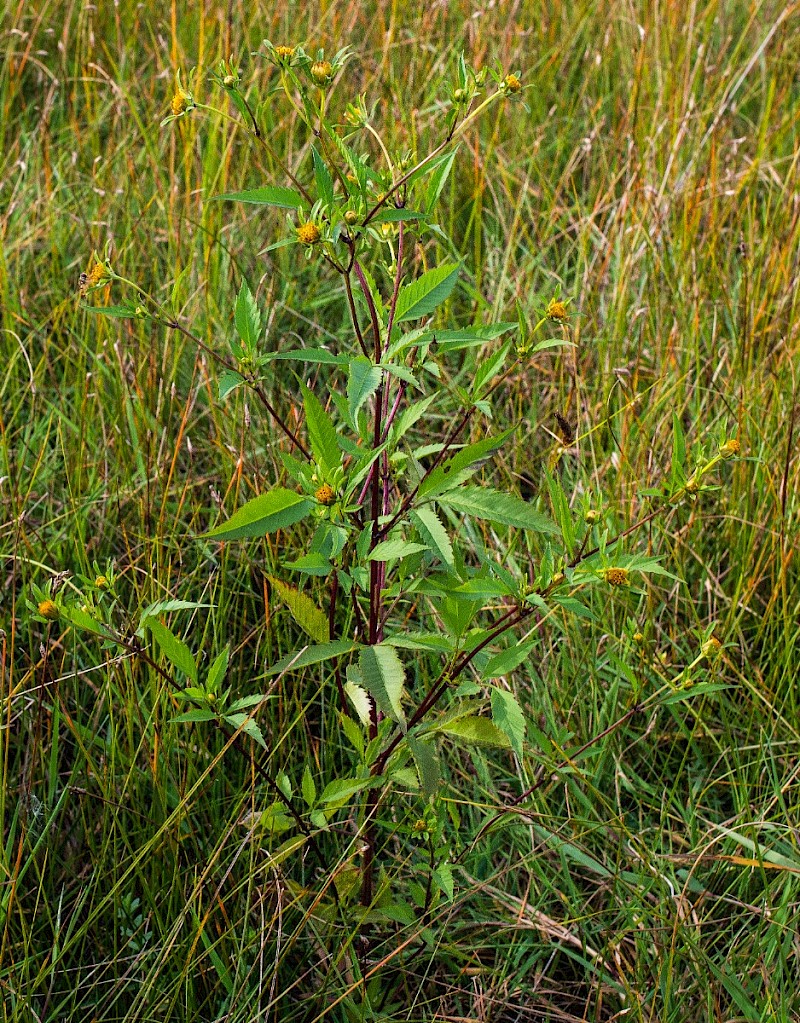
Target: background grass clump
[[653, 182]]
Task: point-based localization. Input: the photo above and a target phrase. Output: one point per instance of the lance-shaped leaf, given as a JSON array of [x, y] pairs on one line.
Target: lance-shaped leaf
[[269, 195], [494, 506], [462, 465], [422, 296], [174, 649], [476, 731], [384, 676], [426, 763], [396, 547], [507, 715], [364, 381], [431, 529], [312, 655], [321, 432], [304, 611], [264, 514], [247, 318]]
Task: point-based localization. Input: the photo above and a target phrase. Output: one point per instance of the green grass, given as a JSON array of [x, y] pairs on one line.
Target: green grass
[[654, 180]]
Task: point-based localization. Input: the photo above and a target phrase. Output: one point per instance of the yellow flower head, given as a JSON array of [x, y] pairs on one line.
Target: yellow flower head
[[308, 233], [48, 609], [284, 53], [512, 84], [557, 311], [322, 72], [731, 448], [325, 494], [617, 576]]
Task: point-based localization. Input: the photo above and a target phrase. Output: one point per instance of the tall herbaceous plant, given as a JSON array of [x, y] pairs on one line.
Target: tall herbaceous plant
[[409, 606]]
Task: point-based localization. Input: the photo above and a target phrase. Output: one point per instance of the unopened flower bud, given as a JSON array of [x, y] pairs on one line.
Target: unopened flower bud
[[48, 609]]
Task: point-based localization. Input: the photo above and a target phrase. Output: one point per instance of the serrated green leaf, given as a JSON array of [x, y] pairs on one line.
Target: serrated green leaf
[[384, 678], [477, 731], [364, 380], [174, 649], [161, 606], [248, 725], [505, 509], [423, 295], [321, 432], [115, 312], [507, 660], [322, 178], [342, 790], [304, 611], [263, 514], [431, 529], [228, 381], [359, 698], [439, 179], [426, 763], [507, 715], [194, 715], [307, 787], [269, 195], [217, 671], [462, 465], [319, 356], [313, 563], [312, 655], [395, 548], [247, 318], [443, 876]]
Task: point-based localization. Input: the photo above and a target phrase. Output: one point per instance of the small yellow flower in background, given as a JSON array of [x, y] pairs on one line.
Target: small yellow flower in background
[[99, 274], [48, 609], [325, 494], [617, 576], [512, 84], [308, 233], [322, 72], [592, 516], [557, 311], [711, 648], [731, 448], [101, 582]]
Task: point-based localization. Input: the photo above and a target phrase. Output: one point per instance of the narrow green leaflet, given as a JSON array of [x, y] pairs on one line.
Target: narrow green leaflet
[[507, 660], [422, 296], [312, 655], [216, 673], [384, 677], [462, 465], [359, 698], [160, 606], [395, 548], [321, 432], [426, 763], [342, 790], [304, 611], [443, 876], [248, 725], [229, 380], [364, 381], [307, 787], [270, 195], [320, 356], [247, 318], [322, 178], [264, 514], [507, 715], [494, 506], [439, 179], [174, 649], [116, 312], [476, 731], [431, 529]]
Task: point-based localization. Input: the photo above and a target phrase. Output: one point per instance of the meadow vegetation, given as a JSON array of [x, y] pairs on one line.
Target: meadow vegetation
[[632, 853]]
